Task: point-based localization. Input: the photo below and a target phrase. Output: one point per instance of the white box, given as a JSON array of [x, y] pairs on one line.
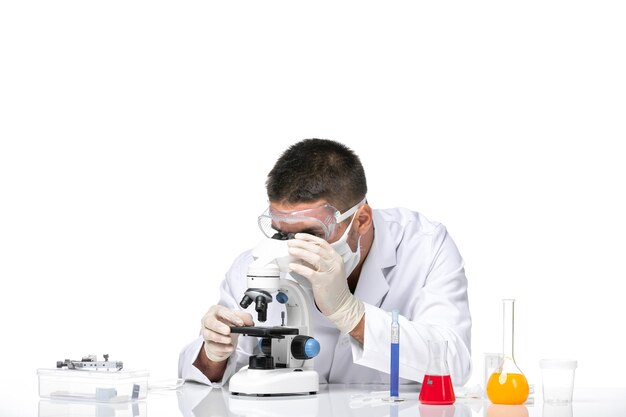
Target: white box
[[60, 408], [98, 386]]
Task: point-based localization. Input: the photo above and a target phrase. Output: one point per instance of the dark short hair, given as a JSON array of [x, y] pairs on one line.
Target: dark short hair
[[315, 169]]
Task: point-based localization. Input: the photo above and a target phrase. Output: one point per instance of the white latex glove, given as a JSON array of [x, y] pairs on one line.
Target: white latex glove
[[219, 342], [324, 268]]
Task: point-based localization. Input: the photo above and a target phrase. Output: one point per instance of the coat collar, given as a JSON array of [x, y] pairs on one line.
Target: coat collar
[[372, 285]]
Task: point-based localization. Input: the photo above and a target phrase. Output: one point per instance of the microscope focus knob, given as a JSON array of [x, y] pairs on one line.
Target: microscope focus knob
[[261, 362], [304, 347]]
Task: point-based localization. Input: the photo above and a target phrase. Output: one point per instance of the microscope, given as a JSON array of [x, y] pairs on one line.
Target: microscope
[[284, 365]]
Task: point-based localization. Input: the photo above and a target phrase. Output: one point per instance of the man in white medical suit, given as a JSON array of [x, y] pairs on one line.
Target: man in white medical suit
[[362, 263]]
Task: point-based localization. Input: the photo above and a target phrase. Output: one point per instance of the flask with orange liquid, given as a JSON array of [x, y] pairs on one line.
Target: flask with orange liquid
[[507, 384]]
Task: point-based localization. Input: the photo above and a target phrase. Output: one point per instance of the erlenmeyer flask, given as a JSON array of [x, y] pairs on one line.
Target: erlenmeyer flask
[[507, 384], [437, 385]]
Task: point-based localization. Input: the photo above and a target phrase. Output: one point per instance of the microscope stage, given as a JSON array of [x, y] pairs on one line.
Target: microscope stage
[[277, 332]]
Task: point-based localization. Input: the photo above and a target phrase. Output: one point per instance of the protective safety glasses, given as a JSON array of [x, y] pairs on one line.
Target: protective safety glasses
[[318, 221]]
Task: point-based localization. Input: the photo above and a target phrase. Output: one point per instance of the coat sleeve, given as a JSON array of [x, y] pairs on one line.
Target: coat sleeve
[[440, 311], [233, 286]]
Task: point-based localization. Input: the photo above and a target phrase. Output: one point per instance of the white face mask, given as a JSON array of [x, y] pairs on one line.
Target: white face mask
[[350, 259]]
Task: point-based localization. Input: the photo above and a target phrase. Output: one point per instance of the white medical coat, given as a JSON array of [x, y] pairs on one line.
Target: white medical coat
[[413, 266]]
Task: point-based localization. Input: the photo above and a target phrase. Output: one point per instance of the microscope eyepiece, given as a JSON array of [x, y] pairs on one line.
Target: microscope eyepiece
[[283, 236]]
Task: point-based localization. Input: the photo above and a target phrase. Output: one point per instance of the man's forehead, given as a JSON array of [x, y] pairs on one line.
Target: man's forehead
[[310, 225], [287, 207]]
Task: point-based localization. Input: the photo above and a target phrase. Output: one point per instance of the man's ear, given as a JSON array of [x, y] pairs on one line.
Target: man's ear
[[364, 218]]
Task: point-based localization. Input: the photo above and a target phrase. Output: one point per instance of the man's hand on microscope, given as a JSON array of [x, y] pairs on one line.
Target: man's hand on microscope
[[219, 342]]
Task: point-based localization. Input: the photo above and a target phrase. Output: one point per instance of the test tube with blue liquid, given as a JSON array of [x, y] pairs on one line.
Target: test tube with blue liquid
[[394, 371]]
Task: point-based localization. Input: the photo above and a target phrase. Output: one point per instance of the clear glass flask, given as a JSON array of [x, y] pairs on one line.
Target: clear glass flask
[[437, 385], [507, 384]]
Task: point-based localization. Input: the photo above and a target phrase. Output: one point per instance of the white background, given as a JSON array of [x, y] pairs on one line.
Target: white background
[[135, 138]]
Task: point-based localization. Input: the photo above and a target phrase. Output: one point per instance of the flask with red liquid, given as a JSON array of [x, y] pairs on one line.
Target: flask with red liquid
[[437, 385]]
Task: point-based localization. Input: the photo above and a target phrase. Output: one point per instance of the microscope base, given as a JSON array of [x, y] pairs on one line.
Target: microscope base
[[284, 381]]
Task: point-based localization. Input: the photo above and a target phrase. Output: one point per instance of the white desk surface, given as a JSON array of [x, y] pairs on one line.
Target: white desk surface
[[194, 400]]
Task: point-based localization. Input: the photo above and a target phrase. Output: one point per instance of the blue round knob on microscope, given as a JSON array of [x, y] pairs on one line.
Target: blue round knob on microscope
[[282, 298], [312, 348], [304, 347]]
